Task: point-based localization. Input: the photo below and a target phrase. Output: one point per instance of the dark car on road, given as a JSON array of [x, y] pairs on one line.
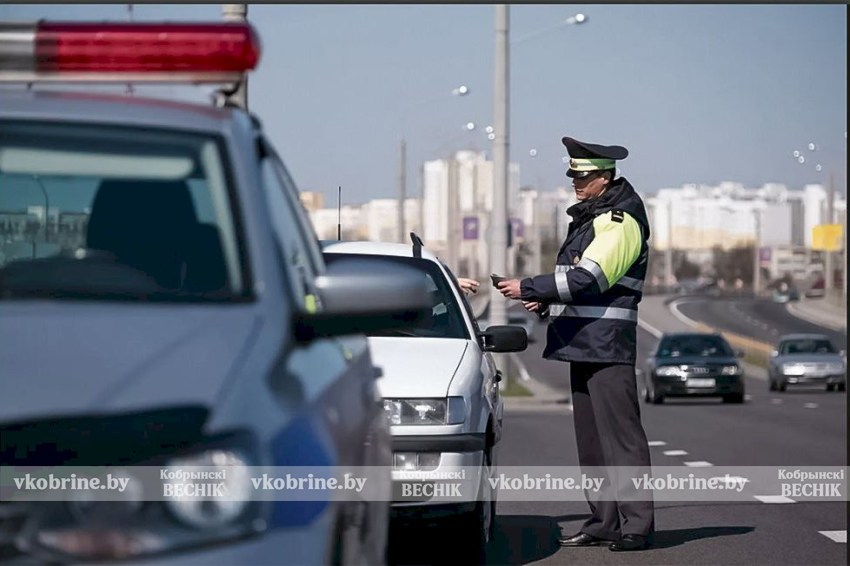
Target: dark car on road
[[807, 359], [693, 364]]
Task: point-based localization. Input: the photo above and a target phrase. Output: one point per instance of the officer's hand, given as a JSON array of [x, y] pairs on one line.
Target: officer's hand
[[531, 306], [468, 285], [510, 288]]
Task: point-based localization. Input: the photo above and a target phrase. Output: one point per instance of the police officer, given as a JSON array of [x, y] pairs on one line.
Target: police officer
[[591, 301]]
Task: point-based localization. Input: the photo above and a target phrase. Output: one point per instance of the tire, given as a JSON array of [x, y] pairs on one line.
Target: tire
[[842, 387], [734, 398], [476, 528], [830, 387], [657, 399], [781, 386]]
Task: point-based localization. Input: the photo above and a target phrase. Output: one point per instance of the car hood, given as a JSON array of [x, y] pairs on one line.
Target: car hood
[[416, 367], [83, 358], [810, 359]]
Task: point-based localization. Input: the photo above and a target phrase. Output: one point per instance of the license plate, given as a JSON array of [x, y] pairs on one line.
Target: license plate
[[700, 382]]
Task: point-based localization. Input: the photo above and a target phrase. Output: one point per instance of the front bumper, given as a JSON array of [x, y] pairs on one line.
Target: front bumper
[[815, 379], [720, 385]]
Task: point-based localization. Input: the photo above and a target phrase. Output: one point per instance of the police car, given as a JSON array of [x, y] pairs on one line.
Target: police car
[[164, 303], [441, 394]]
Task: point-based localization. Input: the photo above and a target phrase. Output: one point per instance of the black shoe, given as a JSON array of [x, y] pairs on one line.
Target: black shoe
[[630, 542], [581, 539]]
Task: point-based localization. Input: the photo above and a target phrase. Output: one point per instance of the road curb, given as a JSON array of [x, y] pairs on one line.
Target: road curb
[[542, 395], [794, 309]]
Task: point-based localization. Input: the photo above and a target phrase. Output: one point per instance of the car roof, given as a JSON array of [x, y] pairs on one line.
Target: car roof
[[804, 336], [102, 108], [375, 248]]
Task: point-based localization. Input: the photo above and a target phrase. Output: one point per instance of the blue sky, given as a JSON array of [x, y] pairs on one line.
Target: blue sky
[[699, 94]]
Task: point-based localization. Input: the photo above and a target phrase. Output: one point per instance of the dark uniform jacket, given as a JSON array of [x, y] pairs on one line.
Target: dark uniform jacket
[[593, 295]]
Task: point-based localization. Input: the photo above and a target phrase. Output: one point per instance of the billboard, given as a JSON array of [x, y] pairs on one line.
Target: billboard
[[827, 237]]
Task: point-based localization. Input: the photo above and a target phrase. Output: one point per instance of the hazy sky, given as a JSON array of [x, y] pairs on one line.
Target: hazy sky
[[699, 94]]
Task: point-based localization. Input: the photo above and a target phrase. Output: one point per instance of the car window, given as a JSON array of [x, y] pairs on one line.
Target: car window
[[101, 212], [294, 243], [702, 346], [807, 346], [464, 302], [445, 319]]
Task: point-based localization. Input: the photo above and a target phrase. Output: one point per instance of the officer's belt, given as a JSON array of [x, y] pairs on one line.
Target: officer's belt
[[558, 310]]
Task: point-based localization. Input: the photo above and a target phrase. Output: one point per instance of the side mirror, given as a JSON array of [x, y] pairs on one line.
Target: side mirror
[[504, 339], [361, 295], [774, 353]]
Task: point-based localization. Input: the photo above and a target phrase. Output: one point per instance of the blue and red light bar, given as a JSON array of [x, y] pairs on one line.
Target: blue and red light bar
[[127, 51]]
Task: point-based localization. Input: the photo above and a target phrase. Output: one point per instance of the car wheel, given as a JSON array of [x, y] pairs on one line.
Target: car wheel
[[842, 387], [734, 398], [830, 387], [656, 398], [477, 527], [781, 386]]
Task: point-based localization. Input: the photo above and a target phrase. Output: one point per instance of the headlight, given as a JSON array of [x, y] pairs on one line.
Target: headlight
[[195, 499], [730, 370], [204, 504], [793, 369], [425, 411], [669, 371]]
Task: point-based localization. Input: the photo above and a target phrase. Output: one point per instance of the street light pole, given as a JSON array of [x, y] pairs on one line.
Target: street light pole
[[756, 254], [402, 188], [499, 214]]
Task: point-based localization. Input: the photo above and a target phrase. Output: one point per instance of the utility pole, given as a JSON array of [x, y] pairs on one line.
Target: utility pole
[[756, 254], [829, 271], [668, 253], [499, 214], [453, 216], [402, 188], [237, 13]]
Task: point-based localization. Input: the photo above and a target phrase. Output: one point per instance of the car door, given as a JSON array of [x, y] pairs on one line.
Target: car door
[[335, 374]]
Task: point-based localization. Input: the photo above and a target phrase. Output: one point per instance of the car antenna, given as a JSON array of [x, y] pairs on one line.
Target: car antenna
[[339, 213], [417, 245]]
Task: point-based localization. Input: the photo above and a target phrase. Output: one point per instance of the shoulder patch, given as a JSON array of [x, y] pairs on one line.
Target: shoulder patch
[[617, 216]]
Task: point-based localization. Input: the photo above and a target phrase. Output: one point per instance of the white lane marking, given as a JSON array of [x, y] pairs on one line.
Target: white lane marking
[[675, 453], [748, 397], [811, 405], [649, 328], [699, 464], [774, 499], [674, 308], [837, 536], [656, 443], [776, 401]]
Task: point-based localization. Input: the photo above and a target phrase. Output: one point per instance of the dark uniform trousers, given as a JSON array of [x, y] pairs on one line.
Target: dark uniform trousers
[[611, 444]]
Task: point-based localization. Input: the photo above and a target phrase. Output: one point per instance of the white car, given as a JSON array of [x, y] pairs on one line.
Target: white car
[[441, 393]]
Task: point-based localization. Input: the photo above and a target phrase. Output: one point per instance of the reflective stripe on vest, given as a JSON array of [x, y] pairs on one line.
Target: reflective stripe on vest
[[571, 311], [596, 271], [632, 283]]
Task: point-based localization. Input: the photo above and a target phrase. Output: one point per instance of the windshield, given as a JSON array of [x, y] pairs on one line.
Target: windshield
[[445, 320], [114, 213], [807, 346], [702, 346]]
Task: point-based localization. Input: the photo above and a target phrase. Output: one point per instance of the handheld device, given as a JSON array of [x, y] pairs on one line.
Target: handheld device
[[496, 278]]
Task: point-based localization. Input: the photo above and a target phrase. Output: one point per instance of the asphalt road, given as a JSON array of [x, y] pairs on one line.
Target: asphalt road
[[762, 319], [801, 427]]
